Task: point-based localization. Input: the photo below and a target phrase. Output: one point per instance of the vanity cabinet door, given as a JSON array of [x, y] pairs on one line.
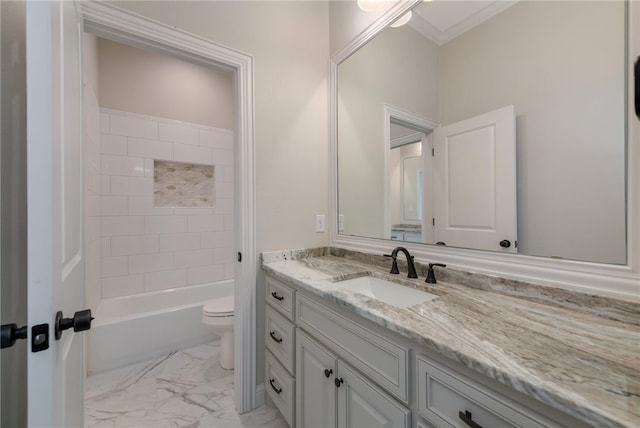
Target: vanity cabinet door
[[315, 389], [361, 404]]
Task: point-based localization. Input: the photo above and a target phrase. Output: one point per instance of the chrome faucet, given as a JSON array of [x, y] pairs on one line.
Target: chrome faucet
[[394, 267]]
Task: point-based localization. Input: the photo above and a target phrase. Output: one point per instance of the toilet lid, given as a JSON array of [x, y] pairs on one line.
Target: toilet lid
[[219, 307]]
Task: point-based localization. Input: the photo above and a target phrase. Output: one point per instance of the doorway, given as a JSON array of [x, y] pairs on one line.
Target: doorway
[[117, 25]]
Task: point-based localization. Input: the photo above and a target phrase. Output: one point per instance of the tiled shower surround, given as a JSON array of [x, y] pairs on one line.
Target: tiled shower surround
[[146, 248]]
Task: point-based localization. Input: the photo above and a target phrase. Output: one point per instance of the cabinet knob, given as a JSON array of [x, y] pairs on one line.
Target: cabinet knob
[[338, 382], [466, 418], [328, 372], [505, 243]]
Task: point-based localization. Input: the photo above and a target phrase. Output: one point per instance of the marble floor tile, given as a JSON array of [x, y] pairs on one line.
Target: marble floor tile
[[185, 389]]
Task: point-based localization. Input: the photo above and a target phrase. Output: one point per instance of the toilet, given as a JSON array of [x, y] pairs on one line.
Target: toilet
[[217, 315]]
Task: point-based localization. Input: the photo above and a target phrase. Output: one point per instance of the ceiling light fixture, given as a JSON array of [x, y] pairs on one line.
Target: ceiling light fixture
[[402, 20], [370, 5]]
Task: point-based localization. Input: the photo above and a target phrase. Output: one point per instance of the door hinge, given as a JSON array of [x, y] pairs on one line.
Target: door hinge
[[433, 221], [239, 256], [433, 151]]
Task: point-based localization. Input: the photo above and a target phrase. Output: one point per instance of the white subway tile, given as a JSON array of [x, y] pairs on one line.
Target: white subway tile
[[134, 127], [113, 145], [163, 280], [143, 205], [118, 185], [94, 183], [139, 244], [185, 259], [105, 185], [195, 154], [114, 266], [105, 123], [224, 190], [178, 133], [105, 250], [222, 157], [203, 274], [205, 223], [223, 206], [122, 225], [150, 149], [229, 270], [92, 206], [150, 262], [216, 139], [92, 228], [148, 168], [228, 222], [120, 165], [139, 186], [165, 224], [193, 211], [114, 205], [223, 174], [179, 241], [122, 285], [216, 239], [223, 255]]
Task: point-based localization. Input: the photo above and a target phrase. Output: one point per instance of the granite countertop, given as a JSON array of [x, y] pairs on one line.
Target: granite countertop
[[575, 352]]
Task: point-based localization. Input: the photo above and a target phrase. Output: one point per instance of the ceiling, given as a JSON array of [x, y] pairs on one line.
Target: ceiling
[[443, 20]]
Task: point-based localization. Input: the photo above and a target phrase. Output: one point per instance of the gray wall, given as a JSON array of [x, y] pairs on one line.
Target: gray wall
[[13, 181]]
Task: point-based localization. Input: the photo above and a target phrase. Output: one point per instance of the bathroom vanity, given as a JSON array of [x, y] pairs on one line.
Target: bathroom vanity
[[473, 351]]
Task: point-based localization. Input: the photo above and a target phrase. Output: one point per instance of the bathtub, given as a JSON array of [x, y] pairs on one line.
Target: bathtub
[[133, 328]]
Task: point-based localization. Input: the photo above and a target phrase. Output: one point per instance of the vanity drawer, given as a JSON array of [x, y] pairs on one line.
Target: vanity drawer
[[444, 394], [382, 360], [280, 338], [280, 386], [280, 296]]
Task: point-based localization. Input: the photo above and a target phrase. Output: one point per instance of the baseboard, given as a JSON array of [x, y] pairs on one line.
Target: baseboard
[[260, 395]]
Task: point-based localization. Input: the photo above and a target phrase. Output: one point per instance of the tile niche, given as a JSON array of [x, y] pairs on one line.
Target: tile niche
[[177, 184]]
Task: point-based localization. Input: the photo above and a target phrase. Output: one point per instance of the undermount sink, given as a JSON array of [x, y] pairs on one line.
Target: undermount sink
[[386, 291]]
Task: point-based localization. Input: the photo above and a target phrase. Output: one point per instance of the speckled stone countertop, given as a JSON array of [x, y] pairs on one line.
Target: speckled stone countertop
[[575, 352]]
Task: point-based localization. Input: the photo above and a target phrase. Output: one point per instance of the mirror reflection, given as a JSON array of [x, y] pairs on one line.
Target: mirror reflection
[[559, 66]]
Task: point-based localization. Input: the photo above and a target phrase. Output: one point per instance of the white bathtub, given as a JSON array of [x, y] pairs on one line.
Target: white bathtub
[[133, 328]]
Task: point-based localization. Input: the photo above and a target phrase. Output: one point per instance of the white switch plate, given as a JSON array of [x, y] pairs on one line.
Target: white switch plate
[[340, 222], [319, 222]]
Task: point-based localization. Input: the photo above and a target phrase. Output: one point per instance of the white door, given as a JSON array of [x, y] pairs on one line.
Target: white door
[[54, 210], [475, 182]]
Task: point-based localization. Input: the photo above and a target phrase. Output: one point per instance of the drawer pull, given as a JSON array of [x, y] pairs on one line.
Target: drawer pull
[[274, 337], [466, 418], [275, 296], [338, 382], [328, 372], [277, 390]]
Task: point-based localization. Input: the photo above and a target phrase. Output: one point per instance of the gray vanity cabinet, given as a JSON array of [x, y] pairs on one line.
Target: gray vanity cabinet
[[330, 393]]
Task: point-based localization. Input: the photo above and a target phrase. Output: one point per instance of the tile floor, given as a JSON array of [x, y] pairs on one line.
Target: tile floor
[[185, 389]]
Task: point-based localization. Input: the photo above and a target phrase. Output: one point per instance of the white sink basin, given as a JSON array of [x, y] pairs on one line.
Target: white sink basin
[[389, 292]]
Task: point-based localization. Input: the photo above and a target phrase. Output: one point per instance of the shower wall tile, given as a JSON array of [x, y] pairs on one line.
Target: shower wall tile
[[163, 280], [122, 285], [150, 149], [143, 247], [133, 127], [176, 133], [179, 241]]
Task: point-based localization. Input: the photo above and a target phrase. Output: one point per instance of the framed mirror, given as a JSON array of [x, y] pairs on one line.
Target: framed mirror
[[562, 65]]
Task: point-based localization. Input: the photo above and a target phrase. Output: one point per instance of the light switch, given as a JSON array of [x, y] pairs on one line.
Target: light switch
[[319, 222]]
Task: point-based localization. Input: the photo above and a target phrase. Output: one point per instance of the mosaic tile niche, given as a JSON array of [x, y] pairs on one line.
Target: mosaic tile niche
[[177, 184]]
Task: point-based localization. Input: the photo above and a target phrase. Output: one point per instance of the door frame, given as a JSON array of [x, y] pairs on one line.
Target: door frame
[[123, 26]]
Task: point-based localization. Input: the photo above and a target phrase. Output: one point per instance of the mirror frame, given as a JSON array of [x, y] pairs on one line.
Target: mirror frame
[[620, 281]]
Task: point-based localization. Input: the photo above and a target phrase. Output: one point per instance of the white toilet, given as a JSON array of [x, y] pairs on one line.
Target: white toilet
[[217, 314]]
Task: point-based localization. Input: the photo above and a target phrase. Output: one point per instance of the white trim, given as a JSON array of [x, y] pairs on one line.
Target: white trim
[[405, 139], [622, 281], [260, 395], [117, 24]]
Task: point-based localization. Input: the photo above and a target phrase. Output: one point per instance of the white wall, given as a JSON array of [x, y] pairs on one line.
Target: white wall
[[130, 78], [378, 73], [146, 248], [553, 61]]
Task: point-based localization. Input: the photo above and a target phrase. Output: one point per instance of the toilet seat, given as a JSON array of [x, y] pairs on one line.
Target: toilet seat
[[222, 307]]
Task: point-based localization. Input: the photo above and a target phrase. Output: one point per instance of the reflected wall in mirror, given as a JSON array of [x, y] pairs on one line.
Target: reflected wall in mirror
[[560, 64]]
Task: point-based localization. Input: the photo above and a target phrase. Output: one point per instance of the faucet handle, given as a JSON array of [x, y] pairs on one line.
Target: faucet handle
[[431, 276], [394, 265]]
